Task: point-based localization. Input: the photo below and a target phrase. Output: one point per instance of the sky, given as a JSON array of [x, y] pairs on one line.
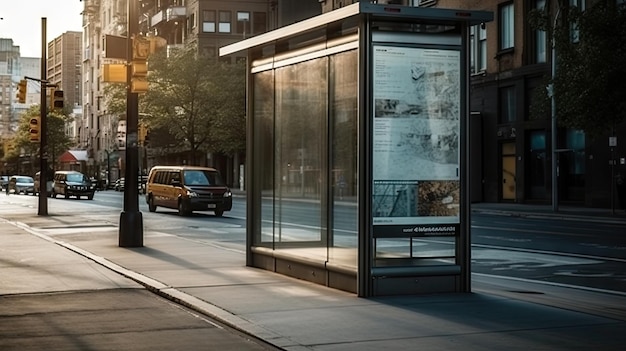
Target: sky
[[21, 21]]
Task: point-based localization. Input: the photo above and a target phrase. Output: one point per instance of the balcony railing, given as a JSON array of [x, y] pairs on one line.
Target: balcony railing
[[169, 14]]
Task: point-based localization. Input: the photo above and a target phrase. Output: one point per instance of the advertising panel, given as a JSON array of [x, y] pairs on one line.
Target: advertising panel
[[416, 141]]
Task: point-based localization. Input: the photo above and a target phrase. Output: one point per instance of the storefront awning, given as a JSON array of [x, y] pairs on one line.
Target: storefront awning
[[72, 156]]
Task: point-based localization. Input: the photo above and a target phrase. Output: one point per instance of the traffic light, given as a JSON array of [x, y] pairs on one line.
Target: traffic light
[[139, 65], [34, 129], [21, 91], [57, 99]]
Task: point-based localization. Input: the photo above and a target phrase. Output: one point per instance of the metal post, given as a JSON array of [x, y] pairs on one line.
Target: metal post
[[43, 129], [555, 170], [131, 222], [108, 169], [612, 172]]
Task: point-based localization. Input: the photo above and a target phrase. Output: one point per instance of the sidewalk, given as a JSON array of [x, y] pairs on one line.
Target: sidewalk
[[297, 315]]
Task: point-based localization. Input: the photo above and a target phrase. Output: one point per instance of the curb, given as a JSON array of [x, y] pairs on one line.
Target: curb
[[567, 217]]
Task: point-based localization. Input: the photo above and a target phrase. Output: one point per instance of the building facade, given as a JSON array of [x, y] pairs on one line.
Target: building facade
[[10, 75], [13, 68], [209, 24], [520, 157], [64, 66], [64, 72], [513, 157]]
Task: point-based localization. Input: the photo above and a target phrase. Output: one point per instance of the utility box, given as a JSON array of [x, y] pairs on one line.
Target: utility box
[[357, 164]]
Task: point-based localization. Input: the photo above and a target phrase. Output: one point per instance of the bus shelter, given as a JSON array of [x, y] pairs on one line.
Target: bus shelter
[[357, 164]]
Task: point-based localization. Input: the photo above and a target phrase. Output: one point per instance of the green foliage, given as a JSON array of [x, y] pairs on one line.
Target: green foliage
[[115, 98], [199, 102], [591, 74], [57, 144], [589, 82]]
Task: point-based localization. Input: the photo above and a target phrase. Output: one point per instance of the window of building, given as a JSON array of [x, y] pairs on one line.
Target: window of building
[[478, 42], [507, 104], [192, 21], [259, 22], [536, 164], [208, 21], [574, 30], [243, 23], [507, 26], [540, 39], [225, 22], [572, 163]]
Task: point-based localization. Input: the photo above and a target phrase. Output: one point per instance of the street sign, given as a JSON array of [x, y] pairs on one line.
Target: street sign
[[114, 73], [115, 47], [613, 141]]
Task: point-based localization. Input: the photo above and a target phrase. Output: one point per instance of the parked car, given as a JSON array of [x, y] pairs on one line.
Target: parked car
[[72, 183], [4, 182], [48, 184], [22, 184], [141, 184], [119, 185], [143, 179], [187, 189]]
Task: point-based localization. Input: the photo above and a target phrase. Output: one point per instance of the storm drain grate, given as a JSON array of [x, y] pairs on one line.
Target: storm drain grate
[[527, 292]]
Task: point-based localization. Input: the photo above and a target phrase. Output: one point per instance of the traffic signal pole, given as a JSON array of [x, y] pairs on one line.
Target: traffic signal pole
[[43, 128], [131, 221]]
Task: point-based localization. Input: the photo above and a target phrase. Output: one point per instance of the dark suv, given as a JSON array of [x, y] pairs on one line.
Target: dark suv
[[72, 183]]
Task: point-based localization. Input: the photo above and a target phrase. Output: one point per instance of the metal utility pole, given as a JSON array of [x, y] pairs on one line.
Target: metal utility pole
[[43, 128], [131, 221], [555, 169]]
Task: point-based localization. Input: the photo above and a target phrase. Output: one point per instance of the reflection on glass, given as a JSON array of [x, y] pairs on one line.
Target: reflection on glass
[[264, 155], [300, 163], [414, 251], [343, 122], [303, 192]]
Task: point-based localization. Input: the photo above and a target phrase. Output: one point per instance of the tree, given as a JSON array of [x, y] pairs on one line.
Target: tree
[[199, 101], [115, 98], [58, 141], [589, 82]]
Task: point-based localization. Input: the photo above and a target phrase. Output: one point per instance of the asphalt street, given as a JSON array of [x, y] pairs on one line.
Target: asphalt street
[[65, 284]]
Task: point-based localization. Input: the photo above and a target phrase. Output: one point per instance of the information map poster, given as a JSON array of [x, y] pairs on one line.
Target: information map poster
[[416, 141]]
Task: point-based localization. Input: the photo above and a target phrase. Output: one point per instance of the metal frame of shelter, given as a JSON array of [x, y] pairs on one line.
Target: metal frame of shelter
[[357, 172]]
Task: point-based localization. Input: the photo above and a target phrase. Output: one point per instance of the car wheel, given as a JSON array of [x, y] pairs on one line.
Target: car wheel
[[219, 212], [182, 209], [90, 196], [151, 206], [67, 196]]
